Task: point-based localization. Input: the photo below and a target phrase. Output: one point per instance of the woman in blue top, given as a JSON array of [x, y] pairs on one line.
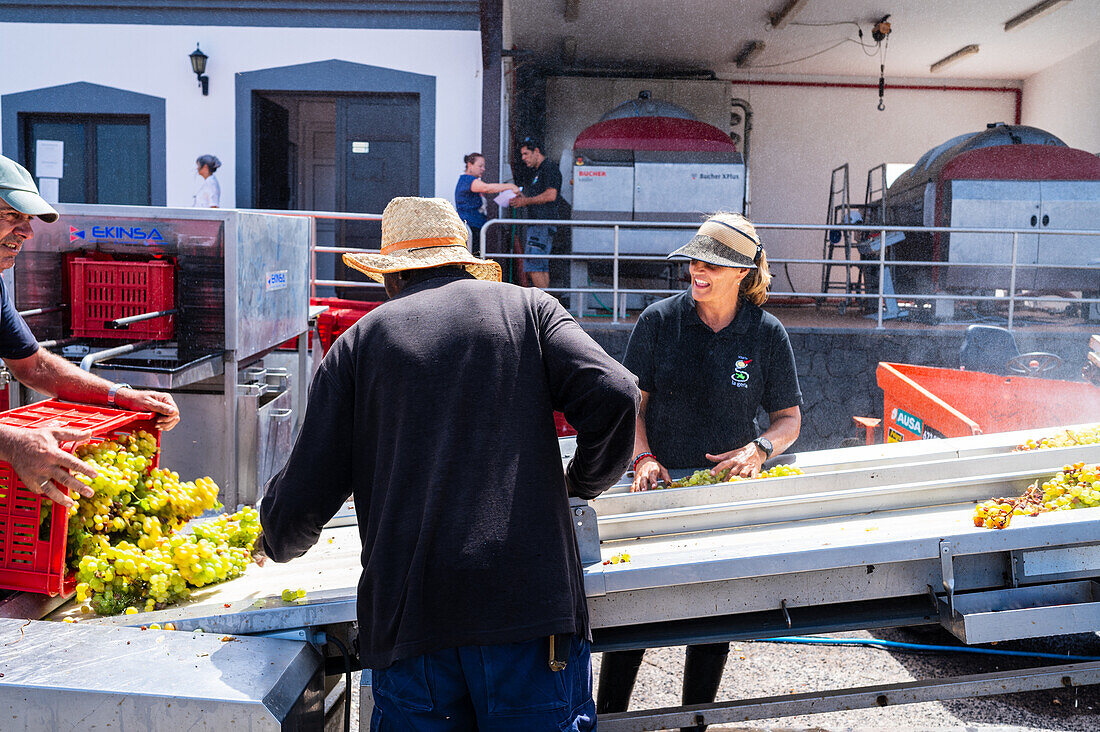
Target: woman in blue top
[[468, 193]]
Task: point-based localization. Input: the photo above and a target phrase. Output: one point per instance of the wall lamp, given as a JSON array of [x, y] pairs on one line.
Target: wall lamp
[[1033, 13], [948, 60], [198, 65]]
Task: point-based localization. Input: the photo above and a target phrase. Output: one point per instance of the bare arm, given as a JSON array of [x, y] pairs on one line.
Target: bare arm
[[52, 375], [480, 186], [649, 471], [747, 459], [548, 196]]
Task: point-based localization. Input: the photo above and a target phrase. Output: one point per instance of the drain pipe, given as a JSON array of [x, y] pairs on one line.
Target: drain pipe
[[92, 359], [744, 105]]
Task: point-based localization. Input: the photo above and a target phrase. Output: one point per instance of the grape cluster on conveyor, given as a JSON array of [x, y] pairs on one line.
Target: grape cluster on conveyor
[[704, 477], [127, 544], [1075, 486], [1065, 438]]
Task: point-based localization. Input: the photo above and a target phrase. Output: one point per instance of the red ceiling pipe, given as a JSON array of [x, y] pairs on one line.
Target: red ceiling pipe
[[914, 87]]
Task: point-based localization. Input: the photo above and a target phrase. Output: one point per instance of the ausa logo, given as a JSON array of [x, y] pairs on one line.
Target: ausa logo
[[908, 421], [118, 233], [740, 377]]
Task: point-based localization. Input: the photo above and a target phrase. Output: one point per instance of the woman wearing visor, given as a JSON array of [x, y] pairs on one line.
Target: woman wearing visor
[[706, 360]]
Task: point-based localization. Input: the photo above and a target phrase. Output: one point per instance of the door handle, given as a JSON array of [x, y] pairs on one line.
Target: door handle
[[1046, 219], [1034, 220]]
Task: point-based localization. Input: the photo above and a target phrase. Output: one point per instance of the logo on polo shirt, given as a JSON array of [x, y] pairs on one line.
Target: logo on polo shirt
[[740, 377]]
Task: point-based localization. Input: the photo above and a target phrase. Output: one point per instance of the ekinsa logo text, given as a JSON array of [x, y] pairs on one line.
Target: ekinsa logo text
[[116, 233]]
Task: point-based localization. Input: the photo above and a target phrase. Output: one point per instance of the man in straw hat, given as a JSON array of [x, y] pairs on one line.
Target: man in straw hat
[[436, 412], [35, 454]]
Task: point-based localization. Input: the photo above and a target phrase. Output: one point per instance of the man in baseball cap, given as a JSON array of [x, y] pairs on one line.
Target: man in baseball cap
[[36, 454]]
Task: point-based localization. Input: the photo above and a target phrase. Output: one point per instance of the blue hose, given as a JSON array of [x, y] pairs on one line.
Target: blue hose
[[921, 647]]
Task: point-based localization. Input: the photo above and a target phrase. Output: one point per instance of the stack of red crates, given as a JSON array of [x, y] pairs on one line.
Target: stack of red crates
[[33, 529], [105, 290]]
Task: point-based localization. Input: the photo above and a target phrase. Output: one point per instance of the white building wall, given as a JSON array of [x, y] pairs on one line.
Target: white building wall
[[153, 60], [800, 133], [1064, 99]]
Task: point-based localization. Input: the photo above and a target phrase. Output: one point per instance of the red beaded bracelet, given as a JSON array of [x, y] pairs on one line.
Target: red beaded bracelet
[[639, 457]]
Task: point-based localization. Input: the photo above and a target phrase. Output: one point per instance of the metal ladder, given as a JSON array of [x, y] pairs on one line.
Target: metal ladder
[[874, 198], [874, 212], [839, 209]]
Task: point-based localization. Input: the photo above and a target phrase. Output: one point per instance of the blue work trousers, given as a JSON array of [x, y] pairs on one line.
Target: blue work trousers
[[487, 688]]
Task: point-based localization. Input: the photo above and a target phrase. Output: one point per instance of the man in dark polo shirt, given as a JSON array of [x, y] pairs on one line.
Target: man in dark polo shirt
[[540, 197], [35, 454], [435, 411]]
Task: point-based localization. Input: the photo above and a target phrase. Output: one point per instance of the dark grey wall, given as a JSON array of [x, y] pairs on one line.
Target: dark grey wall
[[836, 369], [333, 77], [420, 14], [84, 98]]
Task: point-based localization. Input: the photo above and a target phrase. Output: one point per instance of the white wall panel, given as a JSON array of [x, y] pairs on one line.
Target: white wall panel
[[1065, 99]]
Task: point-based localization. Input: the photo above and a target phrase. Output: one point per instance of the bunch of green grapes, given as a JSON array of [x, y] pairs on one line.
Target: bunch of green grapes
[[124, 575], [125, 542], [217, 550], [163, 569], [1065, 438], [704, 476], [1075, 486]]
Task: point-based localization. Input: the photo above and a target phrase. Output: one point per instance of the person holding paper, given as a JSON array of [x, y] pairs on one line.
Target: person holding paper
[[540, 196], [470, 190]]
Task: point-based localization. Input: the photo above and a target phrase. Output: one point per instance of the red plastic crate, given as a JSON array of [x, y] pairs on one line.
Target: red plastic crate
[[32, 552], [106, 290], [340, 316], [564, 428]]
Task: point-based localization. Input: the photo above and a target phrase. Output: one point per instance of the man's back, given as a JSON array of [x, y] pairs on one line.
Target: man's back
[[439, 407]]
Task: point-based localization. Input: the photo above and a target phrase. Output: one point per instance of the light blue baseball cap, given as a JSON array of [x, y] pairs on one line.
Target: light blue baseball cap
[[18, 190]]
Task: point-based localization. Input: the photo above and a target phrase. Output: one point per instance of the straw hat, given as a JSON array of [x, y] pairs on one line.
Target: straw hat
[[418, 233], [725, 240]]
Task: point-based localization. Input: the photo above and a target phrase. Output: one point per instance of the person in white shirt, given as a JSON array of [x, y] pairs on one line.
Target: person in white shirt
[[209, 193]]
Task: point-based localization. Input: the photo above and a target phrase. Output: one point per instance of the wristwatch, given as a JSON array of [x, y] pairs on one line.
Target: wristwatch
[[114, 390], [764, 444]]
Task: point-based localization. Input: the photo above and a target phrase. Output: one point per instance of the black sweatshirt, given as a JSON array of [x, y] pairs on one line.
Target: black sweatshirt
[[436, 411]]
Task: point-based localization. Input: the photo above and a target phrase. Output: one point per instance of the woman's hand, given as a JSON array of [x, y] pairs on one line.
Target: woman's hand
[[648, 473], [515, 189], [744, 461]]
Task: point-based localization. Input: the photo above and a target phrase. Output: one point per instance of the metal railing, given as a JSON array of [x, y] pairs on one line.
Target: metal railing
[[617, 291], [616, 256]]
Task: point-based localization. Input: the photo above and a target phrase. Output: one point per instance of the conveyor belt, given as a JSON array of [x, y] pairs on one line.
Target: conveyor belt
[[797, 542]]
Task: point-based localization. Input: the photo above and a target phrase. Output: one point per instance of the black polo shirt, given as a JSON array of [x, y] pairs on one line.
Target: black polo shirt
[[705, 387], [547, 176]]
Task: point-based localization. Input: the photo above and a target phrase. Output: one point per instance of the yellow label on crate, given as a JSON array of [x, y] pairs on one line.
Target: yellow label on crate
[[892, 435]]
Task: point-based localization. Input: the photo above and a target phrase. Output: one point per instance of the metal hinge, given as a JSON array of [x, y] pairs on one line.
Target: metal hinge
[[947, 569]]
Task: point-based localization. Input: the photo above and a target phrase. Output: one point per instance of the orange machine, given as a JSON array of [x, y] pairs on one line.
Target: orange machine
[[922, 402]]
